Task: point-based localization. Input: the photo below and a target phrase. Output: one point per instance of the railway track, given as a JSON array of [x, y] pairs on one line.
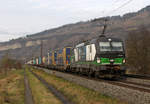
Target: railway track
[[126, 84], [147, 77], [132, 92], [137, 84], [58, 94], [28, 93], [138, 80], [122, 83], [133, 86]]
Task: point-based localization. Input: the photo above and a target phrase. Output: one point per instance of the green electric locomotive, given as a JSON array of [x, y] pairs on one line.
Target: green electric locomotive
[[99, 57]]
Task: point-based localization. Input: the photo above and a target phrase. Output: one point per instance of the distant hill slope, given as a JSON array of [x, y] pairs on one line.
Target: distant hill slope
[[25, 48]]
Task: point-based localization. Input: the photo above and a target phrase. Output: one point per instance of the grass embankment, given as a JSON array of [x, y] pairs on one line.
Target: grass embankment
[[77, 93], [41, 94], [12, 88]]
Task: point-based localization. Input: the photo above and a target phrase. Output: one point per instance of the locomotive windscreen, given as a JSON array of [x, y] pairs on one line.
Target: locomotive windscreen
[[111, 46], [117, 46], [105, 46]]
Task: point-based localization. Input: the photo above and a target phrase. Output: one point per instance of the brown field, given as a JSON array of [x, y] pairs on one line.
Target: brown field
[[76, 93], [12, 88], [40, 93]]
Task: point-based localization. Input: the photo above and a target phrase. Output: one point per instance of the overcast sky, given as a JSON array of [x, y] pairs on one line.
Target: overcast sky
[[21, 17]]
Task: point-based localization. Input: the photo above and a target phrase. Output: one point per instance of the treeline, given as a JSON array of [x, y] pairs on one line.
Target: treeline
[[7, 64], [138, 51]]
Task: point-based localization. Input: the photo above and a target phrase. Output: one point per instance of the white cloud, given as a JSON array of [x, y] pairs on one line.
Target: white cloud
[[19, 16]]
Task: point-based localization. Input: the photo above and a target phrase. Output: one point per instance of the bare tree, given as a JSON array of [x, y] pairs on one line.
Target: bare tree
[[7, 64], [138, 51]]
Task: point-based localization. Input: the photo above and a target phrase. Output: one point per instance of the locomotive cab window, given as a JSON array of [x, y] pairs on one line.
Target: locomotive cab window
[[117, 46], [104, 46]]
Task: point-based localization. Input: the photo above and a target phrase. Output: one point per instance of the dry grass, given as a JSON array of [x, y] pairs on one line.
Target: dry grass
[[41, 95], [12, 88], [76, 93]]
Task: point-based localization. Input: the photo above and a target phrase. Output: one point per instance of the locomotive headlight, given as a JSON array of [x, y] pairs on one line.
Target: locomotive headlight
[[124, 61], [98, 60], [109, 39], [111, 60]]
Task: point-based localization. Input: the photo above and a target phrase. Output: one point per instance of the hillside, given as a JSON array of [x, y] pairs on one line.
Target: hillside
[[119, 26]]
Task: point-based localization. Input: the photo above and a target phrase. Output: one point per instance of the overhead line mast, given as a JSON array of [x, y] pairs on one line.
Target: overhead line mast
[[41, 51]]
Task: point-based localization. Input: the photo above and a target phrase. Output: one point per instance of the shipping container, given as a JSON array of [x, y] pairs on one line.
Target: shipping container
[[66, 55], [54, 58], [44, 60], [60, 57], [34, 61], [50, 58], [37, 61], [40, 61]]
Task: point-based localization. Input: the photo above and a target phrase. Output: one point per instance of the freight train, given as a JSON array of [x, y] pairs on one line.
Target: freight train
[[99, 57]]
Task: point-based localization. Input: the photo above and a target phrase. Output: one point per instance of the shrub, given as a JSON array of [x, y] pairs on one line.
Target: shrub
[[138, 51], [8, 63]]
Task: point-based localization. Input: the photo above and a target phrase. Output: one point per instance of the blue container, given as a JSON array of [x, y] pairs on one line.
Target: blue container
[[55, 57], [50, 58], [68, 54]]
